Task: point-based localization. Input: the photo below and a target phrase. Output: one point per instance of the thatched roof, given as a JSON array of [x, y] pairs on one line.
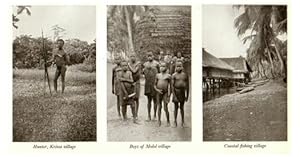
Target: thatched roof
[[209, 60], [238, 63]]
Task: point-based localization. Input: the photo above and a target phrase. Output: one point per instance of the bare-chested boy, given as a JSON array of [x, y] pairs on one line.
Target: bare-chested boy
[[151, 68], [135, 68], [116, 89], [127, 91], [180, 90], [162, 86]]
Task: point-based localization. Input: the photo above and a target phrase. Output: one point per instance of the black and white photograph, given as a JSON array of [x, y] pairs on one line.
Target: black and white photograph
[[148, 73], [244, 54], [54, 73]]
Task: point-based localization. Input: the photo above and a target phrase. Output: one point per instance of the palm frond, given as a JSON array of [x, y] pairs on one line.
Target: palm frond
[[249, 37], [242, 23], [28, 12], [20, 9], [15, 25]]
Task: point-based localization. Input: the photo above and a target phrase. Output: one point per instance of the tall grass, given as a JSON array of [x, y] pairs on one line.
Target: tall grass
[[73, 75]]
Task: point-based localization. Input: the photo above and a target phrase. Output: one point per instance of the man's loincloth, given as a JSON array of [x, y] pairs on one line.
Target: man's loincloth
[[179, 95], [162, 97], [129, 97]]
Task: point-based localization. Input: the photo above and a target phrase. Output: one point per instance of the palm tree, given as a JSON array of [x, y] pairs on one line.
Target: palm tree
[[256, 57], [279, 23], [264, 24], [124, 18], [58, 32], [20, 10]]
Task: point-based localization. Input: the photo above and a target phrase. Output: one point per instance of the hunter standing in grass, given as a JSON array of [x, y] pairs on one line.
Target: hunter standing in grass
[[61, 59], [135, 68]]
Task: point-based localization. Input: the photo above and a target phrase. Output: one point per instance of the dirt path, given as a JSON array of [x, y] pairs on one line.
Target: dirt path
[[260, 115], [118, 130]]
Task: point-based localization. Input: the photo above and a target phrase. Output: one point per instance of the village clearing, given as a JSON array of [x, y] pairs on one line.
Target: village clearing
[[119, 130], [257, 115]]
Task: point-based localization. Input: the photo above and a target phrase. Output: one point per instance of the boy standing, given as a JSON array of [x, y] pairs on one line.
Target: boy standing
[[116, 71], [127, 91], [135, 68], [180, 90], [151, 68], [162, 86]]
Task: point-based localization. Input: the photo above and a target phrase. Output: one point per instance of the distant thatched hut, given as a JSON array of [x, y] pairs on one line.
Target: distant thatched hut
[[242, 70], [213, 67], [216, 73]]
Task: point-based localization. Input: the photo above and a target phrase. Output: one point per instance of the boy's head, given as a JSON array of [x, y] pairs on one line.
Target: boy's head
[[60, 43], [150, 56], [118, 60], [179, 55], [179, 66], [168, 52], [161, 52], [132, 57], [163, 67], [124, 65]]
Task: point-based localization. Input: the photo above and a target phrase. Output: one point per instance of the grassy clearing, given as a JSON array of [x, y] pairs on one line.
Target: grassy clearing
[[40, 117]]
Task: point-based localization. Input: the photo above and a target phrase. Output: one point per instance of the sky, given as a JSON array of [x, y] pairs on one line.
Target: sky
[[79, 21], [219, 35]]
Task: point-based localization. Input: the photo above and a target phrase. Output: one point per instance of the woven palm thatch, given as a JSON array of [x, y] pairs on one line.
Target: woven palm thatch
[[239, 64], [214, 62]]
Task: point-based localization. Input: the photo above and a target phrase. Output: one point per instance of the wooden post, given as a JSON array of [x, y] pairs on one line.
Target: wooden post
[[210, 87], [219, 85], [227, 85], [206, 88], [213, 87]]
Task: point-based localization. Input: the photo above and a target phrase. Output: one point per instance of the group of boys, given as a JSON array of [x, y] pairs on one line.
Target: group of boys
[[162, 78]]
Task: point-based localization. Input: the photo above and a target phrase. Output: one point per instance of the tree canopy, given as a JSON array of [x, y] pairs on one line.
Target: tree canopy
[[28, 51], [261, 26]]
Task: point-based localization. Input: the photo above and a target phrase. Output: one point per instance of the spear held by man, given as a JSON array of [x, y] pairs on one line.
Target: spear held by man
[[46, 74]]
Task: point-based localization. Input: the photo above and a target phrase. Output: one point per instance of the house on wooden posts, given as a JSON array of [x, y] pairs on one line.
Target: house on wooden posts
[[214, 67], [216, 72], [242, 70]]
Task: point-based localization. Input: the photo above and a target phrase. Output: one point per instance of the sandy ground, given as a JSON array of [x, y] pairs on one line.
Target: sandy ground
[[259, 115], [118, 130]]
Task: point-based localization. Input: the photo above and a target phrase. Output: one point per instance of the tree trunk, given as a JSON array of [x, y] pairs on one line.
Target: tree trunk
[[283, 67], [270, 59], [259, 75], [129, 30], [263, 69]]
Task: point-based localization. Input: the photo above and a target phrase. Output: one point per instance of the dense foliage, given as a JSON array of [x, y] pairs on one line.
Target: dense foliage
[[29, 52], [261, 27]]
